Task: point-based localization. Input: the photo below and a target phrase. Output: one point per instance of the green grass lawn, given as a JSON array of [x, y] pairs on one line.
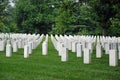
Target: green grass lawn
[[50, 67]]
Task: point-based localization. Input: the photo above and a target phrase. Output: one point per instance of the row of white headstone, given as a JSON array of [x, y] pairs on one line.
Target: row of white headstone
[[111, 47], [83, 46], [13, 42], [60, 47], [28, 48]]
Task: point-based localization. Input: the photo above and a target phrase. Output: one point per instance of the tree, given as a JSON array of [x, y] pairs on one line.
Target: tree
[[68, 16], [85, 18], [7, 23], [34, 17], [74, 17], [114, 29], [3, 18], [104, 9], [64, 18]]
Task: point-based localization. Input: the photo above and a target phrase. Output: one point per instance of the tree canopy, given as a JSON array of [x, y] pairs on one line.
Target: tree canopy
[[96, 17]]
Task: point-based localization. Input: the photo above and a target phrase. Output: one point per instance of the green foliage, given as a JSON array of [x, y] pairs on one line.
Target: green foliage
[[104, 10], [3, 18], [84, 31], [35, 15], [95, 15], [114, 29], [1, 26], [59, 16], [86, 19], [13, 27], [98, 31], [64, 18], [74, 14], [10, 29], [7, 23]]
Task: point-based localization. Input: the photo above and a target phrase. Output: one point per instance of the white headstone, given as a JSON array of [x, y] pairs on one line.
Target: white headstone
[[8, 50], [113, 58], [90, 46], [26, 54], [119, 50], [87, 56], [60, 48], [98, 51], [79, 50], [34, 44], [119, 54], [64, 56], [2, 45], [83, 45], [30, 47], [15, 47], [106, 48], [74, 46], [44, 48]]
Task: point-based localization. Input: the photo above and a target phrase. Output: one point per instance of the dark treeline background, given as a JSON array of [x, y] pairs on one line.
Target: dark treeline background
[[87, 17]]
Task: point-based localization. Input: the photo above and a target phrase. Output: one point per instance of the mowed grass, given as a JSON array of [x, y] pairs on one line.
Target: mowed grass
[[50, 67]]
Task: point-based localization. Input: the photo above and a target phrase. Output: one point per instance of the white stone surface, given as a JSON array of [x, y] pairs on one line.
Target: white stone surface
[[23, 44], [118, 50], [58, 46], [106, 48], [26, 52], [30, 47], [118, 54], [8, 50], [79, 50], [69, 44], [83, 45], [90, 47], [64, 56], [60, 52], [87, 56], [113, 60], [2, 45], [44, 48], [98, 51], [15, 47], [19, 44], [74, 43]]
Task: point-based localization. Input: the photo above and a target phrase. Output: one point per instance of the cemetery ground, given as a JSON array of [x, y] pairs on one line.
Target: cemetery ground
[[50, 67]]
